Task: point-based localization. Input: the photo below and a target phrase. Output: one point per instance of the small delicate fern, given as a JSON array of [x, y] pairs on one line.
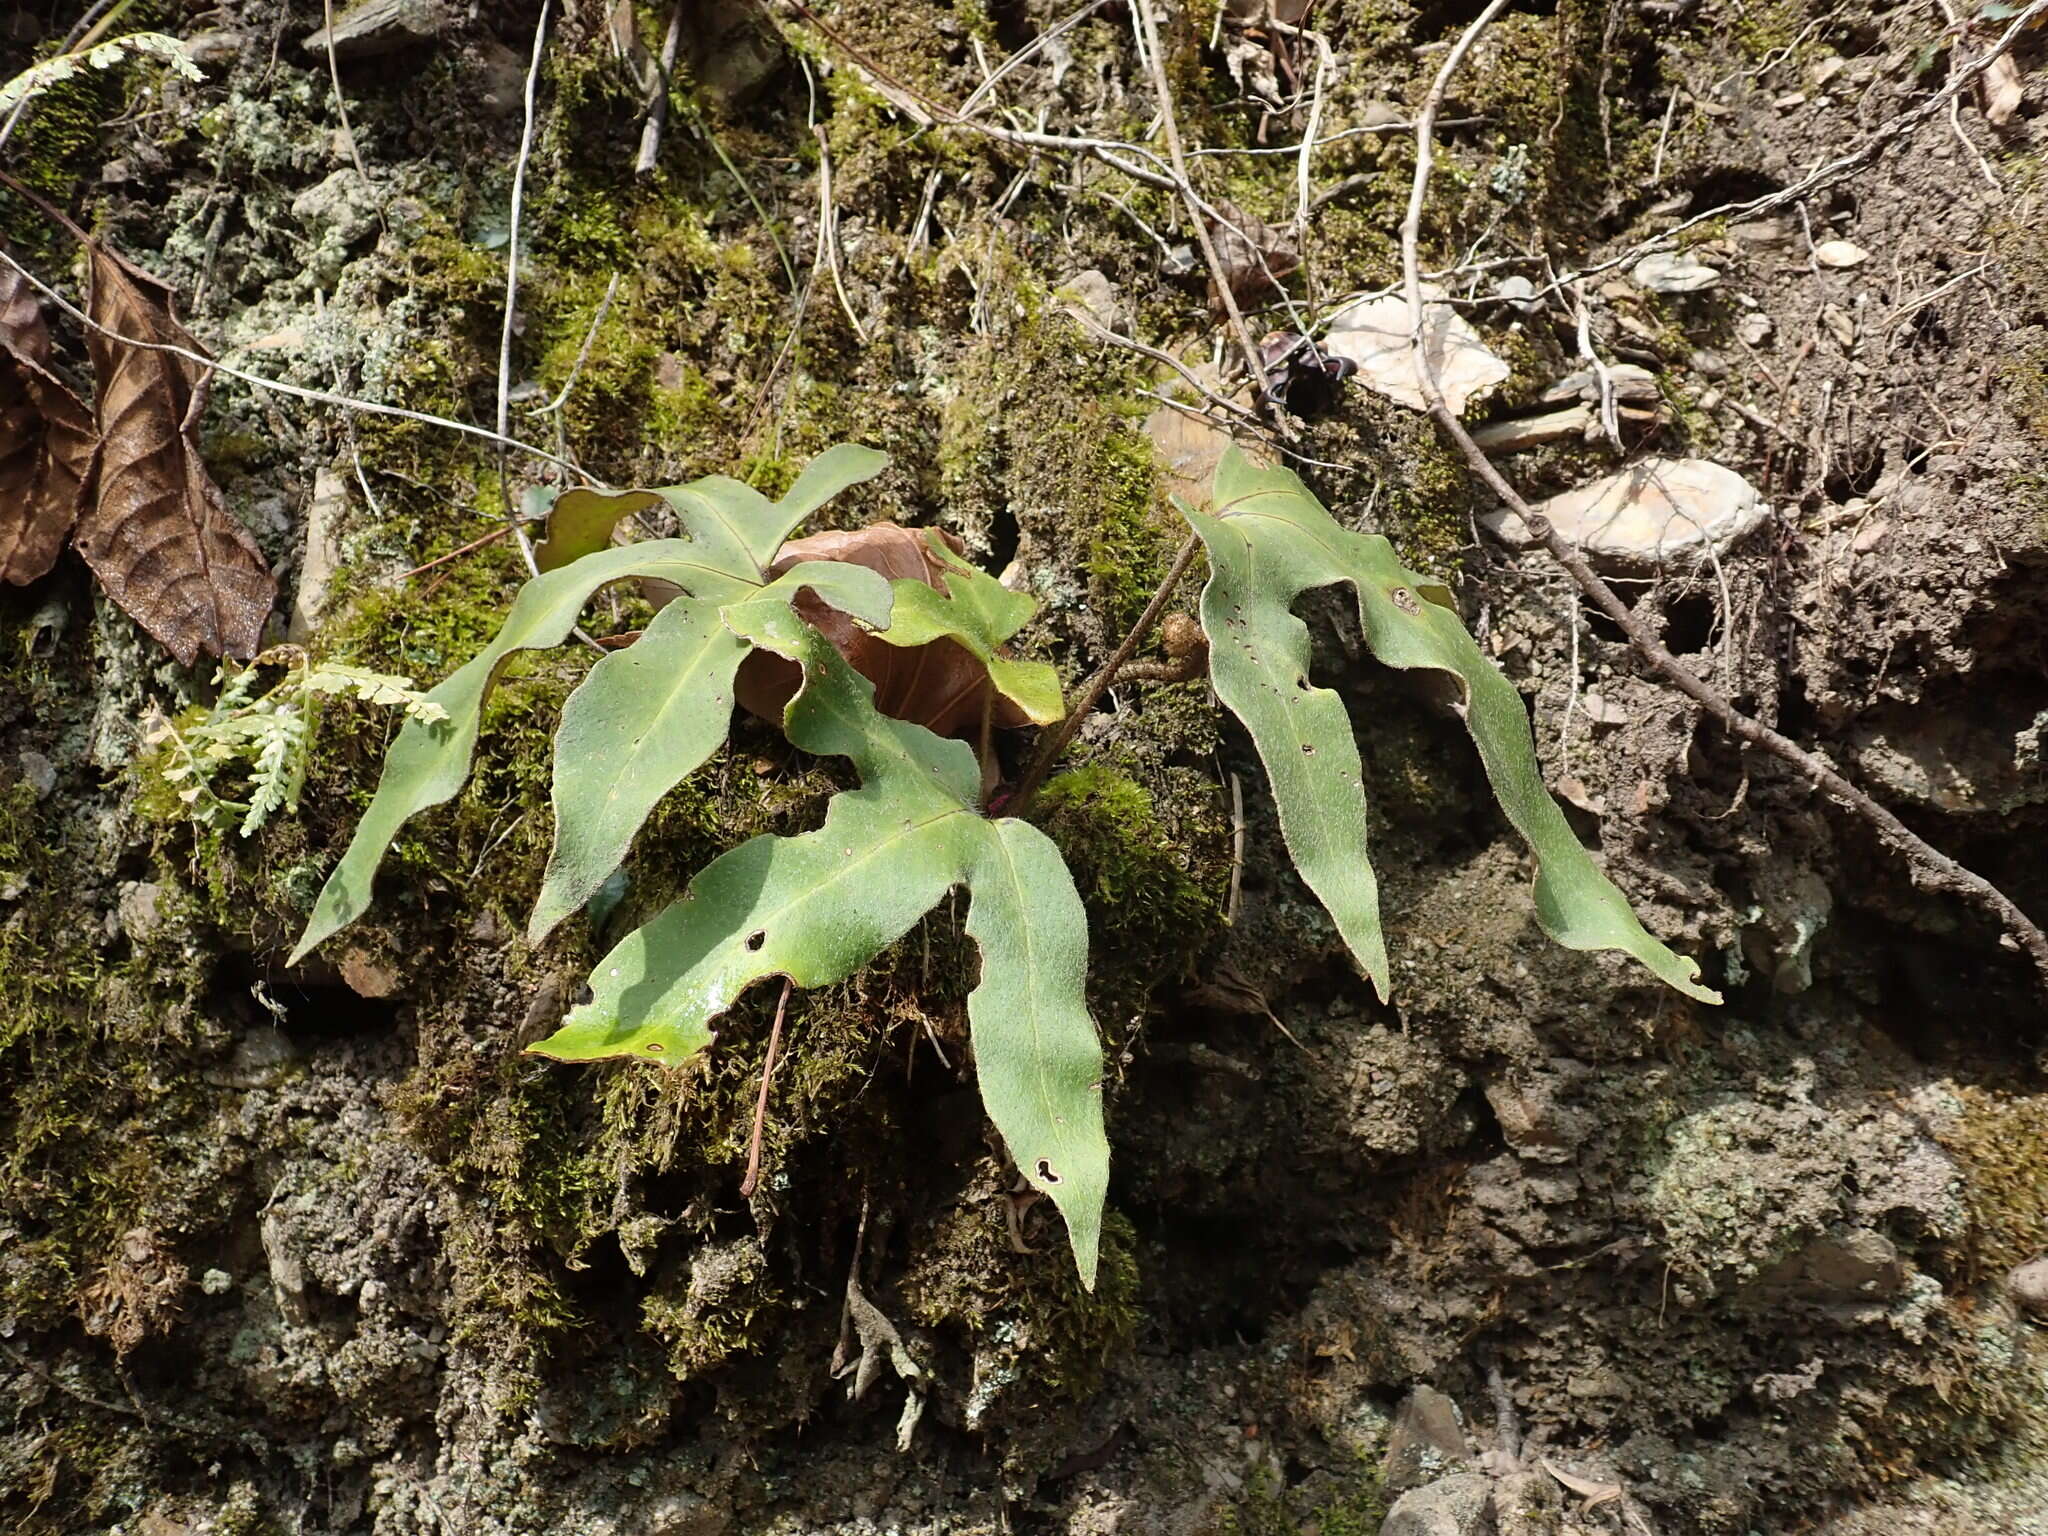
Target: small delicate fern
[[244, 756]]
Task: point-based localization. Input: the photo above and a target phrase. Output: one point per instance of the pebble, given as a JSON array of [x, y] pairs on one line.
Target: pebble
[[39, 773], [1656, 514], [2028, 1285], [1840, 253], [1451, 1506], [1670, 272]]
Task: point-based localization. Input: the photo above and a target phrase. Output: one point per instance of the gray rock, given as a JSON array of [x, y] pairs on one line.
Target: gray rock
[[1528, 1504], [141, 907], [1452, 1506], [39, 773], [1669, 272], [1658, 513], [732, 51], [1427, 1440]]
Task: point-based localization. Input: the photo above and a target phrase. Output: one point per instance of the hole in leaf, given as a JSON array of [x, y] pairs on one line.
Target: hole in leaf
[[1045, 1171], [1307, 750], [584, 996], [756, 939]]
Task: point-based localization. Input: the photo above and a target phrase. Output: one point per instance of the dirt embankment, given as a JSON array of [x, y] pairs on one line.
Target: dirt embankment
[[320, 1250]]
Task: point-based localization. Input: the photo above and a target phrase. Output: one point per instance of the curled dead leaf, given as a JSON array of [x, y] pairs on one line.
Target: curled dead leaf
[[160, 537], [46, 441], [1593, 1493], [941, 686]]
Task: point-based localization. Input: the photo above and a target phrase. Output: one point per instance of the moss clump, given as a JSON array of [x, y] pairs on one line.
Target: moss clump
[[2002, 1142], [1154, 896], [1124, 545], [1330, 1506], [718, 1304], [1427, 510], [1036, 1332]]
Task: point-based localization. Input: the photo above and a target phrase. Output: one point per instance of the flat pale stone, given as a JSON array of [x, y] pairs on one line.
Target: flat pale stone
[[372, 27], [1375, 334], [1670, 272], [1656, 512]]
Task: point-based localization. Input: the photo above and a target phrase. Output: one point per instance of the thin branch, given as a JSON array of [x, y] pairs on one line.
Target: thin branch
[[540, 33], [341, 104], [828, 233], [1055, 740], [1936, 869], [657, 95], [1051, 35], [278, 386], [604, 308], [927, 113], [1155, 61], [752, 1181]]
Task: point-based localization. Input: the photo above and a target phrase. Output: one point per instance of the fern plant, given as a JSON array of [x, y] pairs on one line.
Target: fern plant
[[243, 758], [816, 907]]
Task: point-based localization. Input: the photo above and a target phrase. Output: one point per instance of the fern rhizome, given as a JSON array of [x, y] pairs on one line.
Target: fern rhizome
[[817, 907]]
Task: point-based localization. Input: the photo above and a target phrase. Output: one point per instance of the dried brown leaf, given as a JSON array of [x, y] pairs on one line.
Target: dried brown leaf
[[1594, 1493], [941, 686], [159, 537], [46, 441]]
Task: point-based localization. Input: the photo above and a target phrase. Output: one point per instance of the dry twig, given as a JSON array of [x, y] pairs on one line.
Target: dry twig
[[753, 1179], [296, 391], [540, 33]]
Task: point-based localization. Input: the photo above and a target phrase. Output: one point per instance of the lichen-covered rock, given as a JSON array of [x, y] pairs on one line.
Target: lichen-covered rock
[[1451, 1506]]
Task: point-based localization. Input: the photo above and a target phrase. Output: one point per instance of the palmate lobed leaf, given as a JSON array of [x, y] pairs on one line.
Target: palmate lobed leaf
[[1269, 541], [813, 908], [648, 716], [730, 531], [817, 907]]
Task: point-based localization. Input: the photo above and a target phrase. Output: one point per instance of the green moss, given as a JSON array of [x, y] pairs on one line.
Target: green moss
[[1124, 547], [1767, 29], [1426, 509], [2001, 1140], [718, 1304], [1266, 1507], [60, 141], [1036, 1331], [1154, 896]]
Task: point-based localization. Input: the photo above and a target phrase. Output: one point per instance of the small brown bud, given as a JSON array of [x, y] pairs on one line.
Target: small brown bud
[[1182, 637]]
